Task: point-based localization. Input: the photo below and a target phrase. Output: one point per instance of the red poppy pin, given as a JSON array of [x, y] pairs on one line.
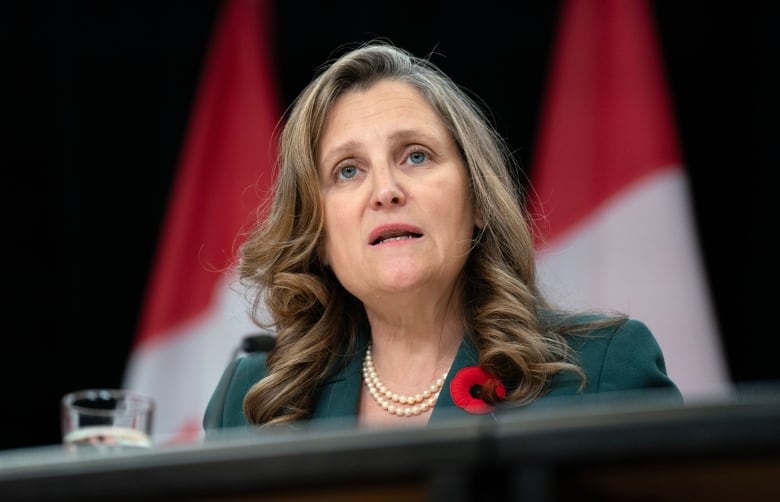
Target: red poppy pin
[[466, 389]]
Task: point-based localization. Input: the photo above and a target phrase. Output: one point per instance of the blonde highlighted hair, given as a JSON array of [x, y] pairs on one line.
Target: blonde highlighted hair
[[519, 337]]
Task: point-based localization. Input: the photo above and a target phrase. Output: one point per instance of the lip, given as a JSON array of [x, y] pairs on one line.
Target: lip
[[390, 229]]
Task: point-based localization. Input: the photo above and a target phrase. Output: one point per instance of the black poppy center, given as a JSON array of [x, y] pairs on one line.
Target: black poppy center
[[476, 391]]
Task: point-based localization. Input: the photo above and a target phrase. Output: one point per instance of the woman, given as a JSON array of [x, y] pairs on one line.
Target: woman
[[397, 264]]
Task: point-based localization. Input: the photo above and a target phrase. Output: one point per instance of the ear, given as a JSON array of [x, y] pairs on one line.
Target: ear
[[479, 221]]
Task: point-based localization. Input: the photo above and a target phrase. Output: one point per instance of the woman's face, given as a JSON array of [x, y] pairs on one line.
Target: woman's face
[[398, 217]]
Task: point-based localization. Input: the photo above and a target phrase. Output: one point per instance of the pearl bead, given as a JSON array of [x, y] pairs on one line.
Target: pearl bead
[[386, 398]]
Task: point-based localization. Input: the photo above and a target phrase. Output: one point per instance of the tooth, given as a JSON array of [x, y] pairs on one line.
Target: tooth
[[400, 237]]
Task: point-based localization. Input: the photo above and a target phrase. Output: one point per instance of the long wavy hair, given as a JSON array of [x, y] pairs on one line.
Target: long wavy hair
[[521, 339]]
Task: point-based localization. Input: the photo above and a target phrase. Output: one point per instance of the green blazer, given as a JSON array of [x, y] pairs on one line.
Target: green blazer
[[620, 358]]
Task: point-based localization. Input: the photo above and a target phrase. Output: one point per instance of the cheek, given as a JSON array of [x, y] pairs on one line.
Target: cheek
[[336, 226], [464, 213]]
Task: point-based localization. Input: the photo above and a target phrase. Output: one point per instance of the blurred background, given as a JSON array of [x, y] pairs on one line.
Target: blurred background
[[97, 96]]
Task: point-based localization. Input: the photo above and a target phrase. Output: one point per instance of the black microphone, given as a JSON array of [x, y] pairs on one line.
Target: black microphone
[[256, 342], [263, 341]]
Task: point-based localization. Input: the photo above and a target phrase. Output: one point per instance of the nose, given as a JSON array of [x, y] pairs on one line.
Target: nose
[[387, 191]]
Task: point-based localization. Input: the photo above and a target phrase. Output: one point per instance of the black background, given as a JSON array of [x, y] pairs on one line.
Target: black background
[[96, 100]]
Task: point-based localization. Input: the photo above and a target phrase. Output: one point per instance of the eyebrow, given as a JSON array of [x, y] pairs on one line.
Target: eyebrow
[[339, 151], [403, 134]]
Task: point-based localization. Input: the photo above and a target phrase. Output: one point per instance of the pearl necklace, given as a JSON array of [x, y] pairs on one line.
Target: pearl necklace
[[396, 404]]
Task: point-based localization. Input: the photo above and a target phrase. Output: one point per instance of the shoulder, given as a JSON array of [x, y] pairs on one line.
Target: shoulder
[[225, 407], [630, 337], [623, 345], [619, 356], [250, 368]]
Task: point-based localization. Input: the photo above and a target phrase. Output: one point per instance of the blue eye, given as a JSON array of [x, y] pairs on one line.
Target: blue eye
[[418, 157], [347, 172]]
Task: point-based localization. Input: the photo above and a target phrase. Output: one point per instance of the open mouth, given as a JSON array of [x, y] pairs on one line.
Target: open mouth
[[395, 236]]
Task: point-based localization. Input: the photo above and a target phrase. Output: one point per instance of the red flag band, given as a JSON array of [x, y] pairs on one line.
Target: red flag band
[[192, 318], [610, 193]]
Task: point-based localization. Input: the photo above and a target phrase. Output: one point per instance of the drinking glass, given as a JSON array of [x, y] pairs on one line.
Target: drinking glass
[[107, 420]]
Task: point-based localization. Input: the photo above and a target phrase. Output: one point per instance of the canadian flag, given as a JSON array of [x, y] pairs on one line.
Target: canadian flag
[[194, 316], [609, 193]]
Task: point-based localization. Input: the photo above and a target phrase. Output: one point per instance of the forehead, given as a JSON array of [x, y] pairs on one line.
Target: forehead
[[382, 96], [385, 108]]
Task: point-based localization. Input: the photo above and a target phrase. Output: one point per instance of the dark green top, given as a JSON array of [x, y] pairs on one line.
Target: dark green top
[[620, 358]]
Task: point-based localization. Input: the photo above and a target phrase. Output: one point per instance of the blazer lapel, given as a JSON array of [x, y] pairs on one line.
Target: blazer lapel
[[339, 396], [445, 407]]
